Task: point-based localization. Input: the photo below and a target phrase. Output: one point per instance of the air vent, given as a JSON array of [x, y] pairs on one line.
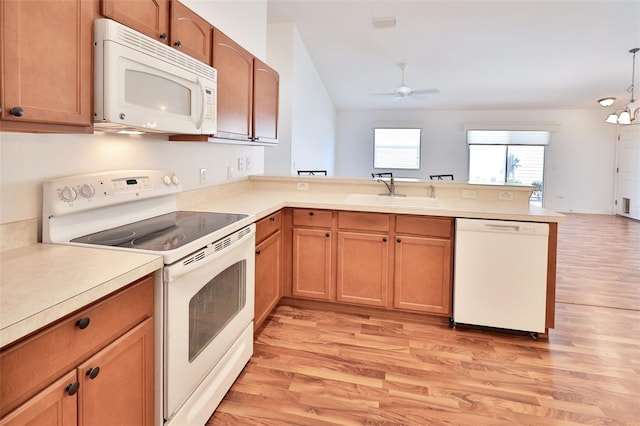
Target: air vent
[[222, 244], [196, 257], [147, 45], [244, 232]]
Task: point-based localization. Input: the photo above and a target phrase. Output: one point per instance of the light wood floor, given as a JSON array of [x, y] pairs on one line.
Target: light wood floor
[[318, 367]]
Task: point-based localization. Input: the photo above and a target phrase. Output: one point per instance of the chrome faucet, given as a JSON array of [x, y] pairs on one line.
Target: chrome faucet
[[390, 186]]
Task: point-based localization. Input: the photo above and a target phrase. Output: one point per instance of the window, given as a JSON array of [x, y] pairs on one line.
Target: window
[[396, 149], [515, 157]]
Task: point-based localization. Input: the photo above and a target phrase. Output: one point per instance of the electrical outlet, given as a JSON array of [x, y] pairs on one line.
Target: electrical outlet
[[469, 194], [505, 195], [247, 163], [240, 163], [203, 176], [302, 186]]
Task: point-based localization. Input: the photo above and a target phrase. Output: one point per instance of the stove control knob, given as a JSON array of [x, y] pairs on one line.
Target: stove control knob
[[68, 194], [87, 191], [166, 180], [175, 180]]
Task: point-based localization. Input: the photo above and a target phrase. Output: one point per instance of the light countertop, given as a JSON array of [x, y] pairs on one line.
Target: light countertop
[[41, 283]]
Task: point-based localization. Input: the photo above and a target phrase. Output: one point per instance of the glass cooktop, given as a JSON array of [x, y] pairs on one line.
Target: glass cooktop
[[161, 233]]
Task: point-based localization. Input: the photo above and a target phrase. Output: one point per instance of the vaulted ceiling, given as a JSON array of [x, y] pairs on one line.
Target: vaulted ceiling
[[477, 54]]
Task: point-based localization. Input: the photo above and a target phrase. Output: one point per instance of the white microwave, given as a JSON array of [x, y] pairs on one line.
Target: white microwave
[[144, 85]]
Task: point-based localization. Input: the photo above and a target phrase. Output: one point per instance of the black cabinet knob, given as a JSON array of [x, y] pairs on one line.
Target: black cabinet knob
[[384, 240], [16, 111], [83, 323], [178, 43], [72, 388], [93, 372], [163, 36], [310, 213], [399, 240], [258, 252], [272, 219], [327, 235]]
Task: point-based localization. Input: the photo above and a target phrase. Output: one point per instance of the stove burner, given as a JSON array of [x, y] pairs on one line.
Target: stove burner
[[110, 237], [159, 241]]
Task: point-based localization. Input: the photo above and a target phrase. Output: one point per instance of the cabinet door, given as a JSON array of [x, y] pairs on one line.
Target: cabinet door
[[423, 275], [121, 392], [46, 73], [266, 86], [268, 277], [190, 33], [312, 263], [363, 268], [235, 87], [150, 17], [51, 407]]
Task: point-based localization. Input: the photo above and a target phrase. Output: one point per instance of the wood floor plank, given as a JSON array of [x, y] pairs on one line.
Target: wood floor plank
[[314, 365]]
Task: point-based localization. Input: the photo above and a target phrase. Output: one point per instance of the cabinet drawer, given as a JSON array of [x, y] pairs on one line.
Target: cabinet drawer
[[268, 226], [311, 217], [30, 365], [424, 225], [363, 221]]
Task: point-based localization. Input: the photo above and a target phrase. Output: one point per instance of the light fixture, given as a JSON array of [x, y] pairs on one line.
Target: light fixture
[[631, 111], [606, 102]]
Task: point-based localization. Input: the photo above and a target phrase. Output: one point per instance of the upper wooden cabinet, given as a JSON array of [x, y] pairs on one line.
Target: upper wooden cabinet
[[190, 33], [150, 17], [266, 89], [248, 93], [235, 87], [46, 73]]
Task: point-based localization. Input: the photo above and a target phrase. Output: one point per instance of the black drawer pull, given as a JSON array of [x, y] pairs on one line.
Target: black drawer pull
[[258, 252], [93, 372], [83, 323], [72, 388], [310, 213], [272, 219], [16, 111], [163, 36]]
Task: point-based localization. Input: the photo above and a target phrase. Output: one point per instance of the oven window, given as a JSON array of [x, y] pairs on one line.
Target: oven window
[[214, 306]]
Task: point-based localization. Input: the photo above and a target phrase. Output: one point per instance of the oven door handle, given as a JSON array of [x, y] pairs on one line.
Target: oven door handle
[[213, 251]]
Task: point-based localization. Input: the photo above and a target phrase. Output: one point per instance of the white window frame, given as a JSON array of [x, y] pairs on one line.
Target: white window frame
[[379, 132]]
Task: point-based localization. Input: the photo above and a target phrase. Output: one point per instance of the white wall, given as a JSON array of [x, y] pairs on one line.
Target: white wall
[[307, 114], [28, 159], [580, 158]]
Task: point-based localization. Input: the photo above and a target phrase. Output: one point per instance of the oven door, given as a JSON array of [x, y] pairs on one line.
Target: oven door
[[209, 302]]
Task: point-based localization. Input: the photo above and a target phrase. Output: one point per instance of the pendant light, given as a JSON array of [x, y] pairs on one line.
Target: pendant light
[[631, 112]]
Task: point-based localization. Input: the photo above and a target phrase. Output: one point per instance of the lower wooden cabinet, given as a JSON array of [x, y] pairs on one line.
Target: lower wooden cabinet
[[268, 277], [115, 383], [95, 367], [312, 263], [363, 268], [51, 407], [422, 275], [401, 262]]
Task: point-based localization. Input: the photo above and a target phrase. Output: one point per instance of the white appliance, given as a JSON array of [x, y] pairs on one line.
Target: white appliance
[[144, 85], [500, 274], [205, 294]]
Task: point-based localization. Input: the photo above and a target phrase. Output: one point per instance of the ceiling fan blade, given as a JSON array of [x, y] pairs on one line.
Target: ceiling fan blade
[[424, 91], [383, 94]]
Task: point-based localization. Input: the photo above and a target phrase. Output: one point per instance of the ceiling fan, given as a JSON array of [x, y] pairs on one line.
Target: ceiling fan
[[404, 91]]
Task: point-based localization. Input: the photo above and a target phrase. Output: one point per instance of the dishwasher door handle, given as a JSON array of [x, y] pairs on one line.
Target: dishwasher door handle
[[495, 227]]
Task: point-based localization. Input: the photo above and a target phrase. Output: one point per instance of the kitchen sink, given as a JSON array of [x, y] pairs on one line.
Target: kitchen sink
[[393, 201]]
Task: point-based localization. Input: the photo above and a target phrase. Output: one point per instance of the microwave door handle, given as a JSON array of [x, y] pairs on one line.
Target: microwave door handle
[[203, 105]]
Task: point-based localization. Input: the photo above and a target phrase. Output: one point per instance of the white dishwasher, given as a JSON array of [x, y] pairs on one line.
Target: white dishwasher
[[500, 274]]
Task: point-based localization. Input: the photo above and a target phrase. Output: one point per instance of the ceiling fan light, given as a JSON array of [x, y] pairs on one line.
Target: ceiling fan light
[[612, 118], [606, 102], [624, 117]]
